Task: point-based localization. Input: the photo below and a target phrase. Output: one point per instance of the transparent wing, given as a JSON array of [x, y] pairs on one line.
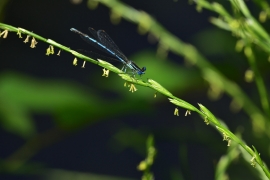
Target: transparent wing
[[94, 42], [105, 39]]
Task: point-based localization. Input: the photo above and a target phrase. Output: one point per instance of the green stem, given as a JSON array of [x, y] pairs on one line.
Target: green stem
[[258, 79]]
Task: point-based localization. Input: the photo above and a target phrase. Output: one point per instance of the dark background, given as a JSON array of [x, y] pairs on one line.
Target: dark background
[[80, 122]]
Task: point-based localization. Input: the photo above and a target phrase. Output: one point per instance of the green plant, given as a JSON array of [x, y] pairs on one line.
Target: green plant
[[243, 26]]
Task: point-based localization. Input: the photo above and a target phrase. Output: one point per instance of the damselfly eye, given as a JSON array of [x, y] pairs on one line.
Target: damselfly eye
[[143, 69]]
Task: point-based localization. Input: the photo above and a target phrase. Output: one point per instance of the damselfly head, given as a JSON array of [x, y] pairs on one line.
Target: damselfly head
[[142, 71]]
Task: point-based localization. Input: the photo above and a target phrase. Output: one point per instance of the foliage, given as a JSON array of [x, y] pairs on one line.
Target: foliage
[[250, 36]]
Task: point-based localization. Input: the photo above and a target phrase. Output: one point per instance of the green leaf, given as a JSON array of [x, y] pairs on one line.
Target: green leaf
[[258, 157], [159, 88], [209, 115], [16, 119], [109, 66], [183, 104]]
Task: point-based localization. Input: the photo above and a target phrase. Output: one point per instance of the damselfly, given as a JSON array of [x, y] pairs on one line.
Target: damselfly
[[102, 41]]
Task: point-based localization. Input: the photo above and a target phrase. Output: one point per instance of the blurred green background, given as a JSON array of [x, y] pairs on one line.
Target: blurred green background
[[60, 121]]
